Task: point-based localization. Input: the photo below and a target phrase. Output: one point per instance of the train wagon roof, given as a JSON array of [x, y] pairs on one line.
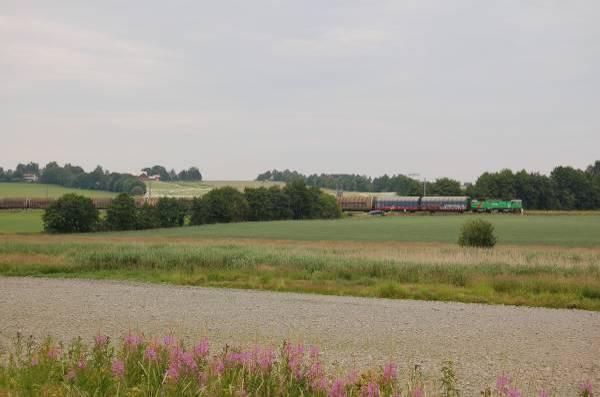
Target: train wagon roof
[[444, 198], [400, 199]]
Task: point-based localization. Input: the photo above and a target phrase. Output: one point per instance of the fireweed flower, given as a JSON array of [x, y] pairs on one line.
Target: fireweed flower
[[218, 367], [543, 394], [417, 392], [371, 390], [81, 364], [131, 340], [34, 361], [173, 371], [101, 340], [202, 348], [151, 353], [338, 388], [585, 389], [169, 340], [502, 384], [352, 377], [514, 392], [118, 368], [53, 353], [264, 358], [295, 357], [390, 372]]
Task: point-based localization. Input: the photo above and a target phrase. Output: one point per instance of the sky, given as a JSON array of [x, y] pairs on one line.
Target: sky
[[438, 88]]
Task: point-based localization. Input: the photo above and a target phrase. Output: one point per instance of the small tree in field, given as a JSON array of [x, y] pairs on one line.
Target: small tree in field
[[477, 233], [71, 213]]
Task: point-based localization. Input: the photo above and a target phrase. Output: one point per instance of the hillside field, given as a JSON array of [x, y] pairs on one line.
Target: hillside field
[[194, 189], [30, 190]]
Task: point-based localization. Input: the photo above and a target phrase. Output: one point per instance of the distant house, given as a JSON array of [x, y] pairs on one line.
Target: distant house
[[145, 177], [30, 177]]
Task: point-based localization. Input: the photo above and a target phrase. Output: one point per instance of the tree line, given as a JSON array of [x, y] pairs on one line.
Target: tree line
[[566, 188], [191, 174], [73, 213], [75, 176]]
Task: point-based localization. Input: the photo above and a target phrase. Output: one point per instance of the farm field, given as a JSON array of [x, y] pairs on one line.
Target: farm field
[[196, 189], [563, 230], [530, 274], [22, 189]]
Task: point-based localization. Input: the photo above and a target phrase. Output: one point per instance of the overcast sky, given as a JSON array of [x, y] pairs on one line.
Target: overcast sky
[[440, 88]]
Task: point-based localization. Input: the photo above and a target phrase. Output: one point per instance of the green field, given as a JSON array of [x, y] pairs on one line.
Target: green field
[[196, 189], [564, 230], [30, 190]]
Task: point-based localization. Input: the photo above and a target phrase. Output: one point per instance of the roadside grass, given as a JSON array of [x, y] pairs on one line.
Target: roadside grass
[[38, 190], [532, 276]]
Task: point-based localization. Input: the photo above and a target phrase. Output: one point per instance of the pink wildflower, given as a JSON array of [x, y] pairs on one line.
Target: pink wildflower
[[417, 392], [313, 352], [53, 353], [201, 350], [70, 375], [118, 368], [188, 360], [218, 367], [338, 389], [131, 340], [543, 393], [371, 390], [352, 377], [151, 353], [101, 340], [295, 357], [169, 340], [316, 375], [502, 384], [81, 364], [585, 389], [514, 392], [173, 371], [390, 372], [34, 361], [264, 358]]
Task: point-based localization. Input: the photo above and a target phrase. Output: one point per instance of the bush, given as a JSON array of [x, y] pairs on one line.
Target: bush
[[121, 213], [147, 217], [224, 205], [477, 233], [171, 212], [71, 213]]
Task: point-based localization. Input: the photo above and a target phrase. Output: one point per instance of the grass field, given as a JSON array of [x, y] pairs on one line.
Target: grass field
[[194, 189], [30, 190], [549, 261], [564, 230]]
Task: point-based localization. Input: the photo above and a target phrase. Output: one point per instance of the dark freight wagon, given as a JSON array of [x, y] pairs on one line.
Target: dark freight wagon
[[397, 204], [444, 204]]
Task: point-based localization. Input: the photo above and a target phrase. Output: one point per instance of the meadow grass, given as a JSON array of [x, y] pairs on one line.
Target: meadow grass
[[40, 190], [561, 278], [21, 221], [583, 231]]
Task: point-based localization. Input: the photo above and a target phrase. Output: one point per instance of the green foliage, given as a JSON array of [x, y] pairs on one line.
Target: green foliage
[[147, 217], [170, 212], [477, 233], [121, 213], [70, 214], [224, 205]]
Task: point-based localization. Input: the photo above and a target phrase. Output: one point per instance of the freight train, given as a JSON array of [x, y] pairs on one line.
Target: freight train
[[43, 203], [412, 204]]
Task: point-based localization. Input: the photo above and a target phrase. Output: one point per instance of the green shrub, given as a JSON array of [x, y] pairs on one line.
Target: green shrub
[[477, 233], [71, 213]]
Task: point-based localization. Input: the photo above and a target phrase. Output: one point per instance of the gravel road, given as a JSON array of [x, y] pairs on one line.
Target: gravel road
[[535, 346]]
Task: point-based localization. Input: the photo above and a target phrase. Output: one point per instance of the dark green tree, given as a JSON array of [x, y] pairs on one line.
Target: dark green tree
[[121, 214], [171, 212], [224, 205], [71, 213]]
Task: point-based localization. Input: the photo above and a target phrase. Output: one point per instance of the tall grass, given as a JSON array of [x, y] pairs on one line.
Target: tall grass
[[567, 279]]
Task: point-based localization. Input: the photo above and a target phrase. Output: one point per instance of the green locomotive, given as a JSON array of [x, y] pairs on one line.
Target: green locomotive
[[494, 205]]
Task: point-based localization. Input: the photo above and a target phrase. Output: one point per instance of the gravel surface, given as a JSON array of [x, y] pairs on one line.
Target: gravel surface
[[535, 346]]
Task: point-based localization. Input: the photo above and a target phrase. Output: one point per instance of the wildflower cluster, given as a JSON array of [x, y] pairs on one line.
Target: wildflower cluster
[[151, 366]]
